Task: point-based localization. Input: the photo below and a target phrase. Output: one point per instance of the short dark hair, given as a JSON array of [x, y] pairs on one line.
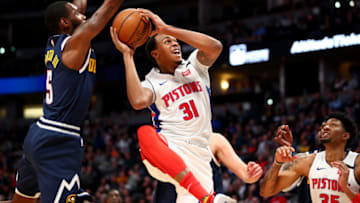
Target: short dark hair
[[149, 47], [53, 13], [349, 125]]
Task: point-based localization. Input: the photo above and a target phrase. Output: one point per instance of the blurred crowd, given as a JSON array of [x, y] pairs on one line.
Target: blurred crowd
[[112, 159]]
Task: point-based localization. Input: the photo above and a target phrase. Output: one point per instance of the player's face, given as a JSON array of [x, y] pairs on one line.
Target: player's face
[[114, 197], [331, 131], [319, 132], [167, 53], [75, 16]]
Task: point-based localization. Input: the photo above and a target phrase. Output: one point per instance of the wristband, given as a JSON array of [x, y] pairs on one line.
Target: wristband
[[278, 163], [356, 198]]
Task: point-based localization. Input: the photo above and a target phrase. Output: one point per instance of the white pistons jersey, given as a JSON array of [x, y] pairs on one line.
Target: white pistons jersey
[[324, 185], [181, 109]]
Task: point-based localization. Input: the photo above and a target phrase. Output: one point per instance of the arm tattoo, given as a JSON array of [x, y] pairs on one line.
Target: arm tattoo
[[288, 166], [204, 58], [271, 176]]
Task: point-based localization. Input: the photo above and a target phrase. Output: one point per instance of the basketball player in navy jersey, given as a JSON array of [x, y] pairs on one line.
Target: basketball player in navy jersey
[[222, 153], [53, 147], [333, 174]]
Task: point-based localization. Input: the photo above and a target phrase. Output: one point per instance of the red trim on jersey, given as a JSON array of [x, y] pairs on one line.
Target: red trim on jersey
[[356, 198]]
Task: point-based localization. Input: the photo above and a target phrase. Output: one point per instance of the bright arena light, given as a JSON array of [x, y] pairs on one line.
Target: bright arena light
[[352, 3], [270, 102], [224, 85], [33, 111], [337, 4], [2, 50]]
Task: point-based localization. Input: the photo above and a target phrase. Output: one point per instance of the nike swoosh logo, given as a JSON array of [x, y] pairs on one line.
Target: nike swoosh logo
[[320, 168], [162, 83]]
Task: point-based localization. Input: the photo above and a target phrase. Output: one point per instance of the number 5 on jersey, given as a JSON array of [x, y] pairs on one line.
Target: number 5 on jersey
[[189, 109], [49, 89]]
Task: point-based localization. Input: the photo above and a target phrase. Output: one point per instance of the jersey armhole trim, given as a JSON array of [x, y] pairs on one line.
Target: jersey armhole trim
[[64, 42], [86, 63], [88, 56], [153, 90], [36, 196], [357, 181]]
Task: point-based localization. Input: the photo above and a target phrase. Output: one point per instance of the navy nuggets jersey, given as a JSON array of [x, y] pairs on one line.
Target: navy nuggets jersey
[[68, 91], [53, 148]]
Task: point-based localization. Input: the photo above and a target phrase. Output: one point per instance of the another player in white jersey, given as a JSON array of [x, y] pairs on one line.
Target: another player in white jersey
[[323, 168], [177, 92]]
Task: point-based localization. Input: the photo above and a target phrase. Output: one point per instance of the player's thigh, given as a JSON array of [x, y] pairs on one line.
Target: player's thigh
[[58, 160], [197, 165], [27, 184], [20, 199]]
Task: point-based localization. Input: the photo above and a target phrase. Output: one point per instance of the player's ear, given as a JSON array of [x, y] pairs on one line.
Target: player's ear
[[64, 22], [154, 54], [346, 135]]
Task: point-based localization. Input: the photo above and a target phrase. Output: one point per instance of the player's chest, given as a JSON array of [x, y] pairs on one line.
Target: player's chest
[[174, 92]]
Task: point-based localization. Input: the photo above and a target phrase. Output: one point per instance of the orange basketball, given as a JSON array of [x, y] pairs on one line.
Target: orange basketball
[[133, 29]]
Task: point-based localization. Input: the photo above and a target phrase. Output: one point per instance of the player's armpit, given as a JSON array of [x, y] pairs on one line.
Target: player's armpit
[[205, 59]]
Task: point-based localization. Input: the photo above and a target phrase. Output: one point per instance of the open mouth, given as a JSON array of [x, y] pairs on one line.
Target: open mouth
[[176, 52], [324, 135]]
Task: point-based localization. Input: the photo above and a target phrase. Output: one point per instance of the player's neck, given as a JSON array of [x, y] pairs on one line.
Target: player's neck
[[164, 69], [335, 154]]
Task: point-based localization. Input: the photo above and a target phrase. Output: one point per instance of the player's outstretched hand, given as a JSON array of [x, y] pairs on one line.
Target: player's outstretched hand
[[254, 172], [284, 154], [122, 47], [343, 173], [284, 136], [160, 25]]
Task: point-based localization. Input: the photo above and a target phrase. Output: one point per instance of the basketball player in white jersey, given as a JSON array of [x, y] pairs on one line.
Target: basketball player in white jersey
[[322, 168], [178, 93]]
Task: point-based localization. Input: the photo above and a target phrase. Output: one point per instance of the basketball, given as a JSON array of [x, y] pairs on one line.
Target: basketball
[[133, 29]]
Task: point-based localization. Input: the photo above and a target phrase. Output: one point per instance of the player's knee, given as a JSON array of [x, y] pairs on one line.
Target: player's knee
[[146, 135]]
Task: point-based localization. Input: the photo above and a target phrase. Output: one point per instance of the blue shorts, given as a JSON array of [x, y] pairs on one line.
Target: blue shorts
[[51, 163]]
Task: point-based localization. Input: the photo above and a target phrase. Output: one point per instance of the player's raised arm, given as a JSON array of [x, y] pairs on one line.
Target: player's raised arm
[[209, 47], [139, 96], [77, 46], [224, 152], [81, 4], [275, 181]]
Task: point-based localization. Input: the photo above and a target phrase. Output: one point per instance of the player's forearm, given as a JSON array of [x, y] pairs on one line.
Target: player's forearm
[[81, 4], [135, 91], [349, 193], [209, 45], [231, 160], [268, 184], [100, 18]]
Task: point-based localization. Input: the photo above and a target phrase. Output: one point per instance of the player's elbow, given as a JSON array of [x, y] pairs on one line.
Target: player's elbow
[[265, 193], [139, 104], [217, 47]]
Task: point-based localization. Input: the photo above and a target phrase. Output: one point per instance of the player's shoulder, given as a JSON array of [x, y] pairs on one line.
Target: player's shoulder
[[357, 160], [303, 163]]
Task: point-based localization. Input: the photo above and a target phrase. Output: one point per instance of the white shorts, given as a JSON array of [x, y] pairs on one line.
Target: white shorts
[[198, 166]]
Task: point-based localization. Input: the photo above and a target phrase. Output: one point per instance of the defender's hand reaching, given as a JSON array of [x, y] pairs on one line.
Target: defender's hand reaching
[[284, 136]]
